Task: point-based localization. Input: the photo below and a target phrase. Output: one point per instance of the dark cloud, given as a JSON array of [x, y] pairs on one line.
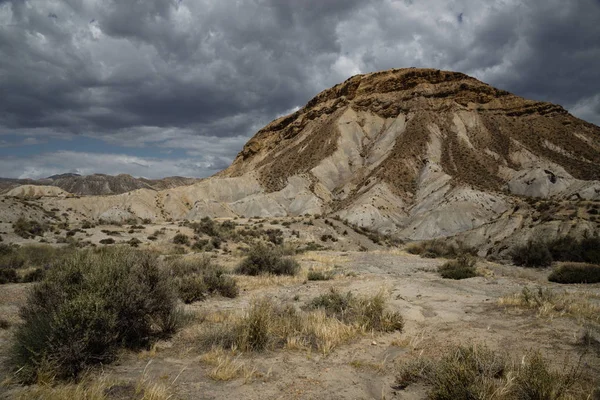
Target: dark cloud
[[163, 72]]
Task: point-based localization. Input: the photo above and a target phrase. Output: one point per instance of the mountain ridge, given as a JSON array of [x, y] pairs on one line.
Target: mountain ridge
[[418, 153], [98, 184]]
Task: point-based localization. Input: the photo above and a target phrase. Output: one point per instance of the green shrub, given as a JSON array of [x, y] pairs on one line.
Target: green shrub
[[262, 259], [461, 268], [29, 228], [575, 273], [532, 255], [182, 239], [89, 306], [107, 241]]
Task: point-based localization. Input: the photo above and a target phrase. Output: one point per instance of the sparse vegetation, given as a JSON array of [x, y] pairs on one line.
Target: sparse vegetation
[[89, 306], [368, 313], [471, 372], [267, 325], [29, 228], [319, 276], [438, 249], [263, 259], [575, 273], [28, 263], [550, 303], [461, 268]]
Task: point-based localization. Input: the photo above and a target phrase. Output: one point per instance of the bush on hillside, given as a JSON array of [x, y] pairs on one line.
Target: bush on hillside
[[586, 250], [88, 307], [532, 255]]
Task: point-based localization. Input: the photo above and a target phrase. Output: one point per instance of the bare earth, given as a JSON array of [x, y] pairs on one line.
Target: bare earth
[[438, 313]]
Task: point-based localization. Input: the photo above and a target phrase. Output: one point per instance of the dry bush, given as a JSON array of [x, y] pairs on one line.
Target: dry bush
[[319, 276], [181, 239], [461, 268], [478, 373], [367, 312], [99, 388], [267, 325], [198, 278], [549, 303], [263, 259]]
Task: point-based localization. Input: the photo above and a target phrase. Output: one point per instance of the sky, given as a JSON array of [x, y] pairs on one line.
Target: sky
[[158, 88]]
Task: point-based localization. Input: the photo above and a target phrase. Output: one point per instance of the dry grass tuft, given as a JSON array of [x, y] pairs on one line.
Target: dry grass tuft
[[475, 372], [101, 388], [549, 303], [267, 325]]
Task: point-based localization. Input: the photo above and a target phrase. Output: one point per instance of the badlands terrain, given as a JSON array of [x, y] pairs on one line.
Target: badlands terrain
[[383, 187]]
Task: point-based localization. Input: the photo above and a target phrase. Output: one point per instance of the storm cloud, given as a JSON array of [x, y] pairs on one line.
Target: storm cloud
[[202, 76]]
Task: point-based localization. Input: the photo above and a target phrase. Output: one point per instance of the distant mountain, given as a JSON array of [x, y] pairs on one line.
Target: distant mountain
[[98, 184], [66, 175]]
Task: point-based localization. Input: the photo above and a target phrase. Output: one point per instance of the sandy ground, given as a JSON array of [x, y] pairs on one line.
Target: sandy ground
[[438, 313]]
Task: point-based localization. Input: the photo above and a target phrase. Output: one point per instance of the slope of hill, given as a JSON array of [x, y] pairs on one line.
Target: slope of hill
[[420, 153]]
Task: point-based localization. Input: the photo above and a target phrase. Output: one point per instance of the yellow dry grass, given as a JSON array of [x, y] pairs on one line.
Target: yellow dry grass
[[246, 282], [378, 367], [227, 365], [582, 305], [98, 388], [281, 327]]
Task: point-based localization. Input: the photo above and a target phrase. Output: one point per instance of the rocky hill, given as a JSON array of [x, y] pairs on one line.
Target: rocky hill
[[419, 153]]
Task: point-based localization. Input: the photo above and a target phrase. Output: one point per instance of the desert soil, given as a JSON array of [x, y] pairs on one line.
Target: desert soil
[[438, 313]]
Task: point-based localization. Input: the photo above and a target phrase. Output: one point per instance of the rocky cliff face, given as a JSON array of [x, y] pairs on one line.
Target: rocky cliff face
[[420, 153]]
